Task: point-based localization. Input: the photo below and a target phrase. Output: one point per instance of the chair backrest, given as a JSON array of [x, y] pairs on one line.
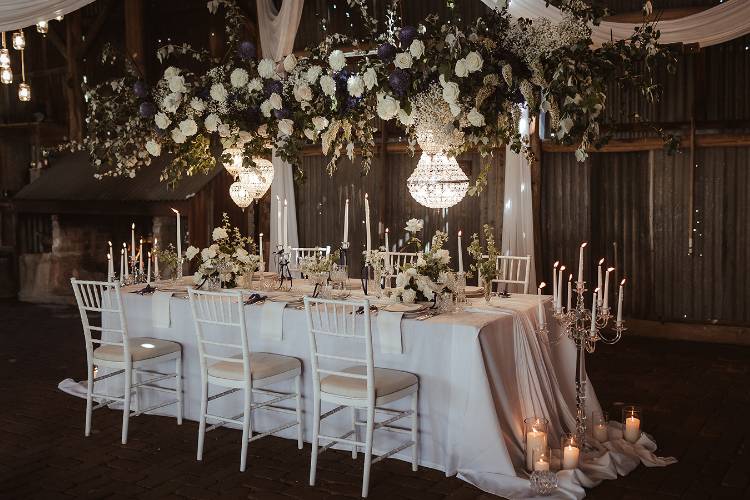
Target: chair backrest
[[215, 312], [96, 299], [396, 260], [304, 252], [339, 320], [514, 270]]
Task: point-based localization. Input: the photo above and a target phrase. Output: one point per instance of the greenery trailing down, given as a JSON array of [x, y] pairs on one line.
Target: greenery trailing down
[[485, 70]]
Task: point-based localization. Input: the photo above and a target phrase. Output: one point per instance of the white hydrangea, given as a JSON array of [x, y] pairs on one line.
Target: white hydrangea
[[266, 107], [171, 102], [266, 68], [153, 147], [414, 225], [255, 85], [211, 122], [312, 74], [188, 127], [239, 78], [403, 60], [290, 62], [388, 107], [337, 60], [370, 78], [219, 233], [460, 69], [302, 92], [178, 136], [197, 104], [409, 296], [475, 118], [191, 252], [310, 134], [286, 126], [162, 121], [355, 85], [218, 92], [328, 85], [416, 49]]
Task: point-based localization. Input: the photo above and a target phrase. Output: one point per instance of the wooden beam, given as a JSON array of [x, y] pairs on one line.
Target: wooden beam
[[695, 332], [56, 41], [134, 34], [535, 144], [73, 94], [655, 143], [95, 28], [656, 15]]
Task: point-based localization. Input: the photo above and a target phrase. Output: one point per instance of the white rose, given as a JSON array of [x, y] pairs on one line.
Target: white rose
[[475, 118], [405, 118], [188, 127], [239, 78], [409, 296], [275, 101], [337, 60], [197, 104], [474, 61], [265, 108], [387, 106], [320, 123], [255, 85], [355, 85], [461, 70], [450, 39], [289, 63], [451, 92], [170, 72], [178, 136], [266, 68], [211, 122], [303, 92], [153, 148], [416, 49], [370, 78], [191, 252], [171, 102], [403, 60], [218, 92], [286, 126], [328, 85], [312, 74], [310, 134], [224, 130], [162, 120], [414, 225], [219, 233], [177, 83]]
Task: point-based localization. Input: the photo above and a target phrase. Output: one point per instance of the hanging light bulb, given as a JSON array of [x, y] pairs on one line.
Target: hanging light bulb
[[19, 40], [234, 164], [6, 76], [42, 27], [438, 181], [24, 89], [4, 58], [240, 195]]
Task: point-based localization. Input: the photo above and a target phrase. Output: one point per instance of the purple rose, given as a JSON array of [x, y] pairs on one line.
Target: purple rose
[[399, 81], [246, 50], [273, 87], [147, 109], [386, 52], [282, 113], [341, 78], [139, 89], [406, 35]]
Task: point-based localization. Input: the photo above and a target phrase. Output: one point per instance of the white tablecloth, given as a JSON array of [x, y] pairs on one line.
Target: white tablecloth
[[480, 375]]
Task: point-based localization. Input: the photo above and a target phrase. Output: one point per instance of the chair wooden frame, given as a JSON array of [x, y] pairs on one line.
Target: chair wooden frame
[[338, 319], [101, 297], [226, 309]]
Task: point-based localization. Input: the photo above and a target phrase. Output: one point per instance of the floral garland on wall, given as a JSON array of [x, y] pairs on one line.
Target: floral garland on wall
[[482, 72]]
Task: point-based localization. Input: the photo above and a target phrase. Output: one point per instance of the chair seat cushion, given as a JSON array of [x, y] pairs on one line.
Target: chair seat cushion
[[140, 348], [262, 365], [387, 382]]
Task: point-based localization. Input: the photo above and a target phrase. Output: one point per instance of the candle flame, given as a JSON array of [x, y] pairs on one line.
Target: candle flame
[[261, 235], [557, 263], [570, 278], [176, 211], [132, 226], [109, 256], [584, 244], [460, 232], [387, 230], [622, 283], [601, 261], [124, 245], [542, 285], [149, 255], [109, 243], [610, 269], [122, 251], [366, 196], [596, 290], [563, 269]]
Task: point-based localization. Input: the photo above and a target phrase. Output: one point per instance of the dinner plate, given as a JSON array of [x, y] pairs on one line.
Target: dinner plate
[[474, 291], [404, 308], [289, 299]]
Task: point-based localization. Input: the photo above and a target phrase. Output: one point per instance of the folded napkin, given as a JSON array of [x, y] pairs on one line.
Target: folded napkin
[[160, 314], [272, 318], [389, 330]]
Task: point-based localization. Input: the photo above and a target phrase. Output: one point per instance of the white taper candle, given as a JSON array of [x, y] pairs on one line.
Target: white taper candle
[[540, 306], [605, 303], [460, 253], [619, 303], [580, 262], [346, 222]]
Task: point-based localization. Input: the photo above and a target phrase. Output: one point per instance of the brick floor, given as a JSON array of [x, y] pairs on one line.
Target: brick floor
[[695, 398]]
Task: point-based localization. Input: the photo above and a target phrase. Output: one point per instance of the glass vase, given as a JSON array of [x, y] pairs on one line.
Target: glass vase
[[535, 438], [631, 420], [571, 450], [487, 284]]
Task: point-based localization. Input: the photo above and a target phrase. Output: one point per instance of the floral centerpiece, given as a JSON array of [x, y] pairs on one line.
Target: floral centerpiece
[[427, 276], [318, 264], [485, 261], [227, 258]]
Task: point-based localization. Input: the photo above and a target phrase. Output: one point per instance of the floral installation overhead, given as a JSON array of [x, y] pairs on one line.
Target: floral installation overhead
[[430, 274], [230, 257], [466, 80]]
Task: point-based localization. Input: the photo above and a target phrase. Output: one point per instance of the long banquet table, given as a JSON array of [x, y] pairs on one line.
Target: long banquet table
[[481, 372]]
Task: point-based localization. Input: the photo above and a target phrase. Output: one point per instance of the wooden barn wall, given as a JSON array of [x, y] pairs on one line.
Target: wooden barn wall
[[321, 199]]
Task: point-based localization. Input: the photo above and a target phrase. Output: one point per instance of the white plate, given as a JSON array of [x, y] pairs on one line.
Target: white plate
[[474, 291], [404, 308], [289, 299]]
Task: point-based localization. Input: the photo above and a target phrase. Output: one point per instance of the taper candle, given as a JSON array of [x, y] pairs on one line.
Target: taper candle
[[286, 224], [122, 264], [599, 282], [148, 274], [156, 258], [605, 303], [559, 289], [260, 252], [110, 268], [580, 262], [554, 282], [619, 303], [540, 306], [460, 253], [140, 255], [346, 222], [279, 237], [570, 291], [132, 242], [593, 312], [179, 237], [367, 223]]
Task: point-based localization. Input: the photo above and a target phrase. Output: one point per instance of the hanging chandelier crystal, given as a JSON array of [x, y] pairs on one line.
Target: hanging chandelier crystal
[[240, 195], [438, 181], [257, 179], [19, 40], [42, 27], [234, 164], [4, 58], [6, 76], [24, 92]]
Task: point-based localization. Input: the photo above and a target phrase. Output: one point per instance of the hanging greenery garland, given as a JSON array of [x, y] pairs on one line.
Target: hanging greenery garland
[[484, 72]]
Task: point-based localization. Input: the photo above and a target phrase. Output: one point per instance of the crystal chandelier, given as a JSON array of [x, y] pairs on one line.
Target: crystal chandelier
[[234, 164], [257, 179], [240, 195], [438, 181]]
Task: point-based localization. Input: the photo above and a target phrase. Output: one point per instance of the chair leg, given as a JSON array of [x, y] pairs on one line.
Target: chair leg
[[178, 387], [298, 388], [126, 405], [135, 378], [415, 431], [368, 449], [316, 433], [202, 421], [354, 428], [246, 428], [89, 402]]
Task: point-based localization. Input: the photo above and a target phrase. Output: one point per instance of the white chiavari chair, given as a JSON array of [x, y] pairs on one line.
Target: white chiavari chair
[[513, 270], [358, 386], [128, 356], [301, 253], [394, 261], [251, 372]]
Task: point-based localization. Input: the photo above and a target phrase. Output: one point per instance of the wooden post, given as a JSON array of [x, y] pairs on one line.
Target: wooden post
[[134, 33], [73, 94], [535, 144]]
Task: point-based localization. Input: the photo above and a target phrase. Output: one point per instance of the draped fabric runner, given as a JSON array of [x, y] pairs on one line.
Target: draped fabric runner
[[16, 14], [719, 24], [278, 28]]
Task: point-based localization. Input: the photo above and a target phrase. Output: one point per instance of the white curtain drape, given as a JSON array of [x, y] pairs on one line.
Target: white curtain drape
[[719, 24], [278, 28], [15, 14], [518, 214]]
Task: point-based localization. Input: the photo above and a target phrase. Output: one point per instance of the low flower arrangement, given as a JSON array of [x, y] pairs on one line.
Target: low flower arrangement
[[318, 264], [485, 260], [430, 274], [227, 259]]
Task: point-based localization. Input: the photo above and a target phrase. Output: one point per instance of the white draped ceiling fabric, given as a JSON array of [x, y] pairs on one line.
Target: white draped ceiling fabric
[[278, 28], [16, 14]]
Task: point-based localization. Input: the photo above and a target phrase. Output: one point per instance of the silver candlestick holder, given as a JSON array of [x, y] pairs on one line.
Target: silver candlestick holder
[[577, 325]]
